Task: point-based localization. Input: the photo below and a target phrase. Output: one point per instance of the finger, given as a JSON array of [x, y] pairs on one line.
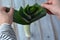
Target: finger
[[11, 11], [49, 1], [2, 9], [56, 1], [47, 6]]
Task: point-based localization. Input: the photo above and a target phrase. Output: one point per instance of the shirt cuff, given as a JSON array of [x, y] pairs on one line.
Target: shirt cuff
[[5, 27]]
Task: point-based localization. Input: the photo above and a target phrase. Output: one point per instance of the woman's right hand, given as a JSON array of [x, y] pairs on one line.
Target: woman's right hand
[[53, 6]]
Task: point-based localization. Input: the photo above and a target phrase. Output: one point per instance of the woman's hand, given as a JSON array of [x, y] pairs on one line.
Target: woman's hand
[[6, 17], [53, 6]]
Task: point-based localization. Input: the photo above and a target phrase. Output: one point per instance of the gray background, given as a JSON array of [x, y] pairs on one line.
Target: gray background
[[46, 28]]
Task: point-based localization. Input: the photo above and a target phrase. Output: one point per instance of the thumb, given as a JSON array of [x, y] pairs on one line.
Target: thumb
[[11, 11], [47, 6]]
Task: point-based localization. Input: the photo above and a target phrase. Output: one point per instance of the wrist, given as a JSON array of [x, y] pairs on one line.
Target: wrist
[[5, 22]]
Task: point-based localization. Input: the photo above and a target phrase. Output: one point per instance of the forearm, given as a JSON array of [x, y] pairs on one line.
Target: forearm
[[6, 32]]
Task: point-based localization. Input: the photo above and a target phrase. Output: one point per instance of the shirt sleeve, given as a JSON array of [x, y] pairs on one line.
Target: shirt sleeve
[[6, 32]]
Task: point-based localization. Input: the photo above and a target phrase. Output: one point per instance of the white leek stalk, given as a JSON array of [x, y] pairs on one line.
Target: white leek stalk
[[27, 30]]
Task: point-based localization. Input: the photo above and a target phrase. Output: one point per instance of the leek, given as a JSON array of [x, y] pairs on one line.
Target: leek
[[28, 15]]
